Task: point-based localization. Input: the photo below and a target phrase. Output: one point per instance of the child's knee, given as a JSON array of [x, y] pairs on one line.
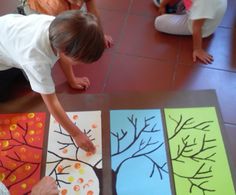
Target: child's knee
[[158, 23]]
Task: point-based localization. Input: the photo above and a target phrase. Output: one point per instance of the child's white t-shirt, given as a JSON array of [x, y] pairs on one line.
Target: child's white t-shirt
[[211, 10], [24, 44]]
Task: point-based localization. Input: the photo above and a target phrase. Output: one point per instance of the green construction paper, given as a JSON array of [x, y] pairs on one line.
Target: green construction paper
[[199, 161]]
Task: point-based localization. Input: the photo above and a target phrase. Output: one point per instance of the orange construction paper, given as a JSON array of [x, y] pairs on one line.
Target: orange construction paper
[[21, 140]]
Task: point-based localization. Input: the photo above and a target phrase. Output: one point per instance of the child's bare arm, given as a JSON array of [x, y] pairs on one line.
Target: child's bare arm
[[59, 114], [198, 52], [74, 82]]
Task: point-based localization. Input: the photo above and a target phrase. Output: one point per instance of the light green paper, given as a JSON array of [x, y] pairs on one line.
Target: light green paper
[[195, 172]]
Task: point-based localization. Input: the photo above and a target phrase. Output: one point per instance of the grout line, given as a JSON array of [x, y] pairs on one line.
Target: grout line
[[145, 57], [117, 47], [232, 124], [176, 64], [219, 69]]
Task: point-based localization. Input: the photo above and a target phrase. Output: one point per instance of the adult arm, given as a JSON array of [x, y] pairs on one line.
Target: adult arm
[[198, 52], [61, 117]]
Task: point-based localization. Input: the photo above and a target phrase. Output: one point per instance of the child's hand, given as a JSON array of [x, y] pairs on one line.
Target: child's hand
[[80, 83], [46, 186], [84, 142], [203, 56], [108, 41]]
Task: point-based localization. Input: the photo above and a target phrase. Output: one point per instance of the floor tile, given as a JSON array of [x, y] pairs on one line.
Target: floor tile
[[121, 5], [144, 7], [112, 23], [221, 45], [229, 19], [196, 77], [96, 72], [141, 39], [130, 73]]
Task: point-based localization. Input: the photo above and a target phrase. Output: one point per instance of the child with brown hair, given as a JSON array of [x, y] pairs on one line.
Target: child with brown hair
[[34, 43], [54, 7]]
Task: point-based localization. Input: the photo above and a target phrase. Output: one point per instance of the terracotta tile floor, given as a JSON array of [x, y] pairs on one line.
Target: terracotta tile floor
[[145, 60]]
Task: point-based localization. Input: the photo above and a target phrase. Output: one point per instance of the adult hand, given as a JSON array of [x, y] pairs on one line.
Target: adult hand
[[80, 83], [203, 56], [46, 186], [84, 142], [108, 41]]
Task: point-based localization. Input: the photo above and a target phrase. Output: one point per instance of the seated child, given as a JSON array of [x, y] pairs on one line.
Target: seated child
[[34, 43], [200, 20], [54, 7]]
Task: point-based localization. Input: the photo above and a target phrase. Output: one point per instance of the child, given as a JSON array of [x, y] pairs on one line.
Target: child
[[54, 7], [201, 20], [36, 42]]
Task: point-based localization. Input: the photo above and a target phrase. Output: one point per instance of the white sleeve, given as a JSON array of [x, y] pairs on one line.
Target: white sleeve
[[203, 9], [40, 78]]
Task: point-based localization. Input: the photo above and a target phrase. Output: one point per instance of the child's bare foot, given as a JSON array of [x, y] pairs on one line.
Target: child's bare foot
[[84, 142]]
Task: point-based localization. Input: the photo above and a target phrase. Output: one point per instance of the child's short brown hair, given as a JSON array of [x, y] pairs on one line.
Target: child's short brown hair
[[77, 34]]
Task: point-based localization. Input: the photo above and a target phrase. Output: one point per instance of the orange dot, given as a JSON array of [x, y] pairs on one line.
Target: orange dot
[[59, 168], [24, 186], [16, 134], [77, 165], [94, 126], [13, 127], [36, 156], [75, 117], [90, 192], [31, 132], [39, 125], [23, 149], [89, 154], [80, 180], [27, 167], [5, 144], [65, 150], [76, 188], [90, 182], [64, 192], [12, 178], [31, 139], [2, 176], [31, 115]]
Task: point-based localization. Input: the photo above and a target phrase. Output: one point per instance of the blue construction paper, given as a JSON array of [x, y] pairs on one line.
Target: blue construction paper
[[138, 153]]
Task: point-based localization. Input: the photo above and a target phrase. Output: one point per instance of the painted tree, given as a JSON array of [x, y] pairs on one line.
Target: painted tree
[[193, 148], [139, 141], [74, 170], [21, 138]]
